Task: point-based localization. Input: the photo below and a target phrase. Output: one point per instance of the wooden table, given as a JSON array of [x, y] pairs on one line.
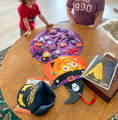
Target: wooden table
[[19, 64]]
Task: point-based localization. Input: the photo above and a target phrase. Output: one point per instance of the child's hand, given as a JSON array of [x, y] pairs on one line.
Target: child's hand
[[73, 22], [49, 25], [28, 33], [92, 26]]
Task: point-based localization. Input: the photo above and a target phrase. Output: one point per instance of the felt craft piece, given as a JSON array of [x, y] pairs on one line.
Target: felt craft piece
[[51, 44], [76, 91], [75, 88], [37, 98], [63, 65], [72, 80], [73, 84], [66, 70], [67, 77]]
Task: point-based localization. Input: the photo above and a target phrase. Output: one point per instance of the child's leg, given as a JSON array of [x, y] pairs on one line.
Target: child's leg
[[22, 32]]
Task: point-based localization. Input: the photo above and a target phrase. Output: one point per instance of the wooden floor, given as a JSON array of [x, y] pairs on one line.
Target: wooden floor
[[53, 10]]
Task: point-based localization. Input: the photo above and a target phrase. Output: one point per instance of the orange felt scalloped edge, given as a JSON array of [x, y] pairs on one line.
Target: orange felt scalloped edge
[[48, 69]]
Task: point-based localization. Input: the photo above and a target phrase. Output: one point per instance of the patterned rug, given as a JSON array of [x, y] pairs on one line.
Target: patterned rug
[[5, 111], [2, 55], [114, 117]]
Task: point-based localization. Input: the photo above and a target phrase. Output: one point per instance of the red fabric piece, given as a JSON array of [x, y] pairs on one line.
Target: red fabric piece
[[92, 101], [72, 51], [30, 14]]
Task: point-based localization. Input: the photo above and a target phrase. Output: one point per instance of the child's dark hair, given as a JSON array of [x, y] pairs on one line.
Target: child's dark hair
[[23, 1]]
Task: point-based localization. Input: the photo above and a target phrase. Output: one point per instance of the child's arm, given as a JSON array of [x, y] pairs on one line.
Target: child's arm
[[70, 15], [26, 24], [98, 19], [43, 19]]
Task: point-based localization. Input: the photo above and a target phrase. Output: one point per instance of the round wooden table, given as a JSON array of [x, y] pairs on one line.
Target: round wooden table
[[19, 64]]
